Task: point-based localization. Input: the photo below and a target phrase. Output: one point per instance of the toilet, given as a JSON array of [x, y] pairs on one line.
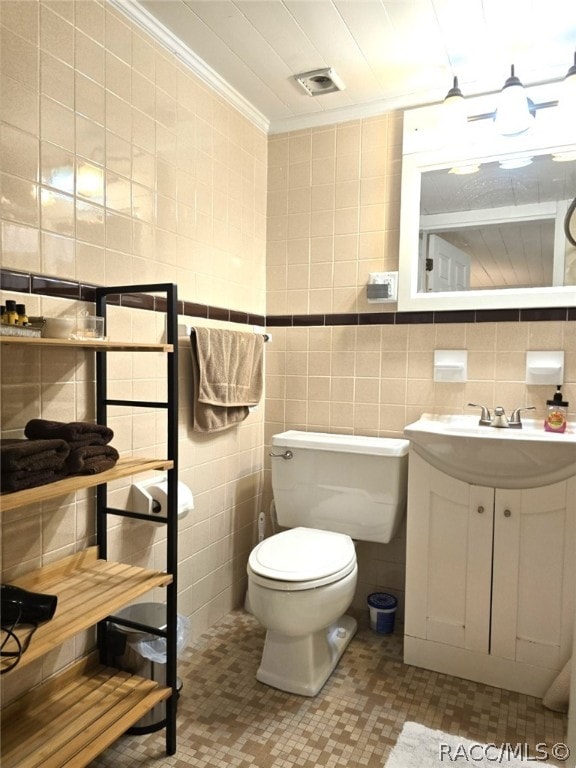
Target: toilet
[[328, 490]]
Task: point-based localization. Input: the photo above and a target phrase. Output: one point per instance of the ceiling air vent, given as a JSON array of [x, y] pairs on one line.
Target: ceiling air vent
[[320, 81]]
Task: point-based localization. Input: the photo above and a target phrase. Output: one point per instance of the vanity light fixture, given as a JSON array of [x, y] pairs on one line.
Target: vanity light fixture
[[515, 111], [455, 118], [455, 122]]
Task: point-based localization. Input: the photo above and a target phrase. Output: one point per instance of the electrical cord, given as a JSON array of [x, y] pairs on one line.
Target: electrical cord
[[20, 646]]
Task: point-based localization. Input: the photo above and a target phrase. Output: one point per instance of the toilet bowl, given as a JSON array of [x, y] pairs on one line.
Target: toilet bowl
[[328, 490], [300, 583]]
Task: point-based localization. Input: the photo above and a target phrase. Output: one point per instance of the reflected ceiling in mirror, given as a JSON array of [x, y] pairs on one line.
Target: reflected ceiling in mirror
[[496, 227], [482, 216]]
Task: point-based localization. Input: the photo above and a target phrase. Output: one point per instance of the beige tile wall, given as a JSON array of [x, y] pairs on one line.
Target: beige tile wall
[[131, 168], [119, 166], [333, 218], [333, 214]]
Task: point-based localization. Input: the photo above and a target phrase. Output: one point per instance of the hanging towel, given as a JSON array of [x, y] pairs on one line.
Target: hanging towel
[[227, 377]]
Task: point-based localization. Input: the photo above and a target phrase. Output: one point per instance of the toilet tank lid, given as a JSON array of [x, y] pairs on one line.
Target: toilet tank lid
[[323, 441]]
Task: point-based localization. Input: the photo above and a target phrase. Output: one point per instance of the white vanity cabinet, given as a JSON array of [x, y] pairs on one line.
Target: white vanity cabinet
[[490, 583]]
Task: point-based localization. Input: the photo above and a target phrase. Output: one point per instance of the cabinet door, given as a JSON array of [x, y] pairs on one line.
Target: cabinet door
[[449, 557], [534, 574]]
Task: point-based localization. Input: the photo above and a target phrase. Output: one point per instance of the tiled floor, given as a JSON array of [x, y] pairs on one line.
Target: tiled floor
[[226, 718]]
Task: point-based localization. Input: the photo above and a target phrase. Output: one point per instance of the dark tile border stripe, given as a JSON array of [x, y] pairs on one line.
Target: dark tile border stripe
[[544, 314], [15, 281], [50, 286], [24, 282]]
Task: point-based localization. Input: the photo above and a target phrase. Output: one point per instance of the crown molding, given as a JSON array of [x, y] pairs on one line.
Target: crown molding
[[140, 16], [133, 10], [146, 21], [340, 115]]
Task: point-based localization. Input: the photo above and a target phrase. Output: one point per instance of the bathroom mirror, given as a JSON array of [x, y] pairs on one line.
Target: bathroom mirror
[[486, 219]]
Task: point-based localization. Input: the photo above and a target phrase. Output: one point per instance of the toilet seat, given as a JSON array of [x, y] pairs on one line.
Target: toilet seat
[[302, 558]]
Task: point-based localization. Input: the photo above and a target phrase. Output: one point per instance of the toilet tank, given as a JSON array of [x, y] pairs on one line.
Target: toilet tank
[[344, 483]]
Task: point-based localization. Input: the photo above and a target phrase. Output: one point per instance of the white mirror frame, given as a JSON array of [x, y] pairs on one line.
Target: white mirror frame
[[426, 148]]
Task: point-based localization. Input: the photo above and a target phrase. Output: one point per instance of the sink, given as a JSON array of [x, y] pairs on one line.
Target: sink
[[500, 458]]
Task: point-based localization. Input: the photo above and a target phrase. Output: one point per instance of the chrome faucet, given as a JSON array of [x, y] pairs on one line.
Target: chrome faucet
[[485, 418], [500, 420], [515, 420]]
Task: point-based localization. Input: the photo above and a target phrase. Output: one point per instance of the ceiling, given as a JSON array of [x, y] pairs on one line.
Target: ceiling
[[389, 53]]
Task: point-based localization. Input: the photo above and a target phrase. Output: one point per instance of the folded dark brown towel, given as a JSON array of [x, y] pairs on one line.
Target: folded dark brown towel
[[19, 481], [91, 459], [76, 433], [32, 455]]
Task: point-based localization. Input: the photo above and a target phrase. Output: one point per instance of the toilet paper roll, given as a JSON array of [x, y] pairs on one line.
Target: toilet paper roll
[[151, 498], [159, 493]]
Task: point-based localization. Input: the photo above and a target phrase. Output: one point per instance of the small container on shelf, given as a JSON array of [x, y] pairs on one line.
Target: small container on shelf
[[21, 312], [89, 327], [11, 315], [59, 327]]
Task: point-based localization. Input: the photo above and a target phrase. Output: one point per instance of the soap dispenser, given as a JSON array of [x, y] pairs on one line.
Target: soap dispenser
[[556, 413]]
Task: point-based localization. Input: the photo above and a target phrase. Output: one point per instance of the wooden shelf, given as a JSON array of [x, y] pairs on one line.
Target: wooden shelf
[[124, 468], [88, 590], [73, 717], [105, 346]]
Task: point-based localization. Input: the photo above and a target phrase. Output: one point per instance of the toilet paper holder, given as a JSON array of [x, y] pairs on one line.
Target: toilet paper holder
[[150, 497]]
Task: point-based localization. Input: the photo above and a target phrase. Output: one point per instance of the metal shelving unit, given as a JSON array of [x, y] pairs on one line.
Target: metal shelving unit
[[170, 519]]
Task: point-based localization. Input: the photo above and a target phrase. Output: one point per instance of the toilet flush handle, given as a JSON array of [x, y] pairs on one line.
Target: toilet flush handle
[[285, 455]]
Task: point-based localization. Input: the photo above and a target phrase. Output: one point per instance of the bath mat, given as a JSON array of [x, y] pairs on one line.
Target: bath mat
[[420, 747]]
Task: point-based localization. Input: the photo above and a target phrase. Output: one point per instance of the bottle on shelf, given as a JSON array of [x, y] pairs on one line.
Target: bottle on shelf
[[11, 316], [21, 312]]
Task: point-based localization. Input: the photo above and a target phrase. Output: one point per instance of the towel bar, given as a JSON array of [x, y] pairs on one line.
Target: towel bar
[[185, 330]]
